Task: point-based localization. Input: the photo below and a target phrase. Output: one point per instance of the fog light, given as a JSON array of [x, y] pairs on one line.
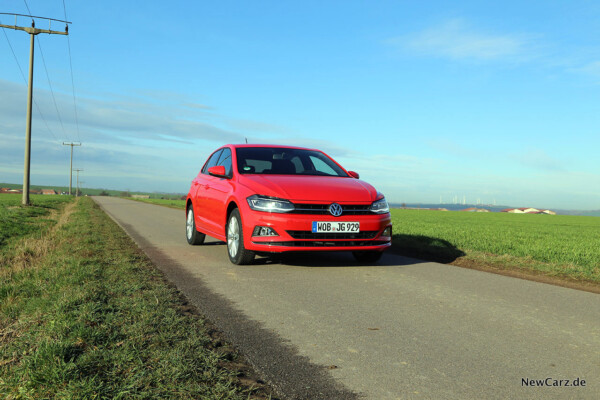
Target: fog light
[[387, 231], [264, 231]]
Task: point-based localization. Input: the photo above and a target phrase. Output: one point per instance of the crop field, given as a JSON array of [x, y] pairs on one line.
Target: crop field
[[558, 244]]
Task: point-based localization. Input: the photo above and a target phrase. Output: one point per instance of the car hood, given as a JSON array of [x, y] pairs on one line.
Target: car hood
[[311, 188]]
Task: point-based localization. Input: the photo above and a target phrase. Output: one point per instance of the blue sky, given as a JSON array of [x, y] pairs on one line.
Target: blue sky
[[426, 100]]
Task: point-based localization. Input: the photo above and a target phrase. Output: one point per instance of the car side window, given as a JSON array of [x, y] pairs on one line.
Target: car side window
[[225, 160], [212, 161]]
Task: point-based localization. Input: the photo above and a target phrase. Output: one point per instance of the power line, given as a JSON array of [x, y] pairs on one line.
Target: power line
[[27, 5], [51, 89], [48, 77], [32, 31], [25, 81], [72, 80]]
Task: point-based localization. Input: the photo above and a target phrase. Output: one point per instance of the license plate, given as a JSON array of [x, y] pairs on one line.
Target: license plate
[[341, 227]]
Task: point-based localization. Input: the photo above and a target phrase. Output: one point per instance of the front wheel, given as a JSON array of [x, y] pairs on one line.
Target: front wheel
[[367, 256], [191, 233], [235, 240]]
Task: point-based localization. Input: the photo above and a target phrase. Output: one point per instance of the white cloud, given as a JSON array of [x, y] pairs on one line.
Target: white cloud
[[453, 39], [538, 159], [591, 68]]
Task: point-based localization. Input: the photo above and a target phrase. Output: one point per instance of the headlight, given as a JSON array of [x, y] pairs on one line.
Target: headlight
[[380, 207], [269, 204]]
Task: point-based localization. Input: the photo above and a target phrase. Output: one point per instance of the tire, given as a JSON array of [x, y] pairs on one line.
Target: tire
[[367, 256], [235, 240], [191, 233]]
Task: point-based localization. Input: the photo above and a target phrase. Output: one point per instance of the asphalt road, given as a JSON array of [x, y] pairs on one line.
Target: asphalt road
[[320, 327]]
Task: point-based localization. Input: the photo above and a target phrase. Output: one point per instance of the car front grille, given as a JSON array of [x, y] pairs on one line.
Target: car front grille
[[323, 209], [329, 236]]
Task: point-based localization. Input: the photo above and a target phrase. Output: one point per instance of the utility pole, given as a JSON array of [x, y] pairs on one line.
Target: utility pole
[[77, 188], [71, 173], [32, 32]]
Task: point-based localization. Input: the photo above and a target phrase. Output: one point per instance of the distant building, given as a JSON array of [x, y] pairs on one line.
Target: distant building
[[48, 191], [9, 190], [140, 196], [414, 208], [528, 210], [474, 209]]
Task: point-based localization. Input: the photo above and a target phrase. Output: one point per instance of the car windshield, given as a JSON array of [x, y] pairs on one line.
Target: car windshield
[[285, 161]]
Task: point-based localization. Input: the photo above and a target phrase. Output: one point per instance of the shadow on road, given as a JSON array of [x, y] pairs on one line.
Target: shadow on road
[[406, 250], [332, 259], [425, 248]]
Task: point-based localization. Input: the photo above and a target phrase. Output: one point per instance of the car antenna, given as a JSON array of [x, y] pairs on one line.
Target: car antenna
[[246, 140]]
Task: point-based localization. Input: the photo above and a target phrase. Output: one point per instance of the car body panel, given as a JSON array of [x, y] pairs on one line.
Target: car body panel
[[322, 188], [212, 197]]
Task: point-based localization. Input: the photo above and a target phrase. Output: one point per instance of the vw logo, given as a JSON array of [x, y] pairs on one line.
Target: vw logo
[[335, 209]]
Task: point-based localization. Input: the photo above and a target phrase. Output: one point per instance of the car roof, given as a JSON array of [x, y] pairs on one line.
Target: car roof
[[275, 146]]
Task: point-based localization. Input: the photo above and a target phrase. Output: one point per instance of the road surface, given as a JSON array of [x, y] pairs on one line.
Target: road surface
[[321, 327]]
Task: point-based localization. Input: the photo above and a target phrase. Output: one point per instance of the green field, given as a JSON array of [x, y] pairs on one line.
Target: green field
[[555, 244], [85, 315]]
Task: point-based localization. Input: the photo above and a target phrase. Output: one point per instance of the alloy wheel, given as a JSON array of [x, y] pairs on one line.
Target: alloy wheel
[[233, 237]]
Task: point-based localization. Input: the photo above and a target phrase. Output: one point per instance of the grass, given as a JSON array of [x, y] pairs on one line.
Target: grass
[[179, 204], [553, 244], [17, 221], [84, 314]]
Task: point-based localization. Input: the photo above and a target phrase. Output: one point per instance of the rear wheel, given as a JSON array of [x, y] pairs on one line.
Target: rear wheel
[[192, 235], [367, 256], [235, 240]]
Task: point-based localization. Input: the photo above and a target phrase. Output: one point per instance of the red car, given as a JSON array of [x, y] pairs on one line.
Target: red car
[[264, 199]]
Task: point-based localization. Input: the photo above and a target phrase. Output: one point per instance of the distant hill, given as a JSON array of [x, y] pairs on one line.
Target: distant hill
[[458, 207], [450, 207]]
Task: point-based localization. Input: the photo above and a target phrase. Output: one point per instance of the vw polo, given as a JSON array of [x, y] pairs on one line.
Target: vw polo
[[264, 199]]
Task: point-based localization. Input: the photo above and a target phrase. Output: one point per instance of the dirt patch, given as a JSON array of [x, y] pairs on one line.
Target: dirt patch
[[530, 275]]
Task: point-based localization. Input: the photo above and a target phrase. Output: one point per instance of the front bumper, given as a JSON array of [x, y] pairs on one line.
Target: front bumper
[[295, 233]]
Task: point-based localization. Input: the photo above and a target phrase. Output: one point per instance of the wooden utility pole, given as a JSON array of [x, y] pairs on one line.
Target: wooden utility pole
[[32, 32], [77, 187], [71, 173]]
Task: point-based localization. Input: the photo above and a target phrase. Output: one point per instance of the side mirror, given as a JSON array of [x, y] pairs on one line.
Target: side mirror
[[218, 171], [353, 174]]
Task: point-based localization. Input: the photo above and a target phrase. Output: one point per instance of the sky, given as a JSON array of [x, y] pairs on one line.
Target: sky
[[428, 101]]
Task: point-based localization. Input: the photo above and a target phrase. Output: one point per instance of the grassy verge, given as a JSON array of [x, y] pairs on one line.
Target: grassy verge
[[179, 204], [17, 221], [84, 314], [553, 245]]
